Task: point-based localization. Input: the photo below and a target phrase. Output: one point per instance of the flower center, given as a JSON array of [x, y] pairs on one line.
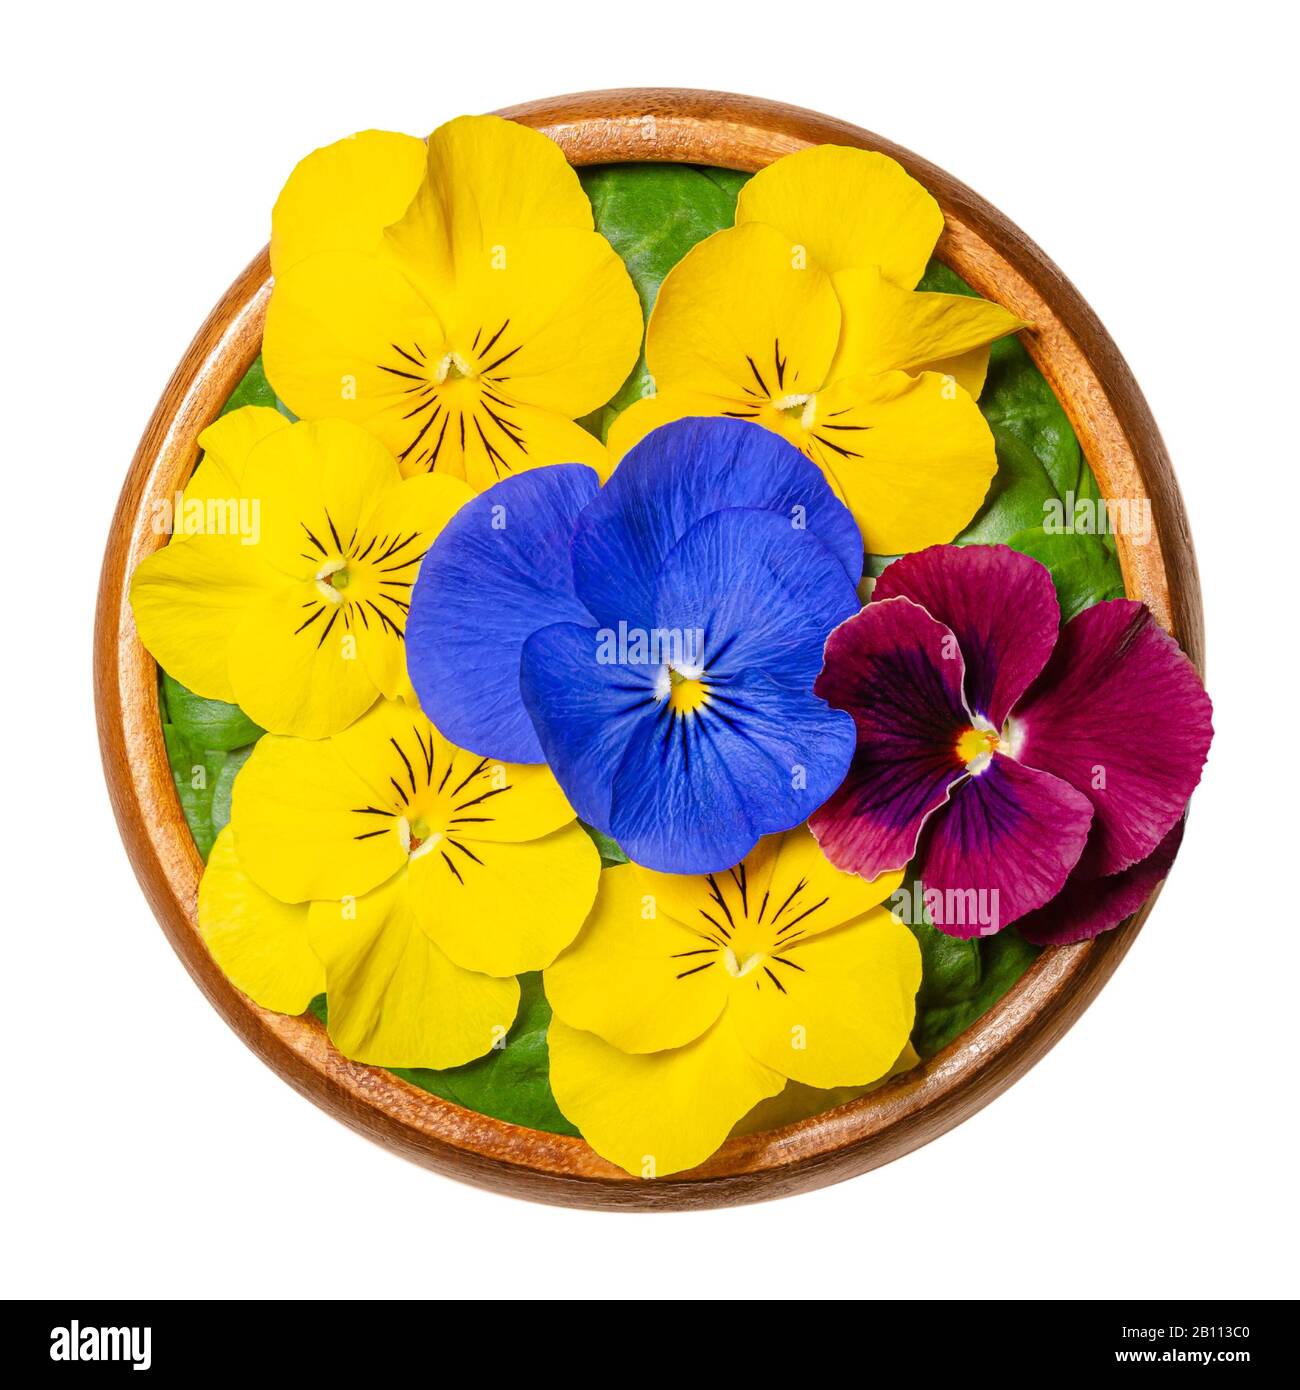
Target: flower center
[[799, 409], [331, 579], [452, 367], [976, 746], [416, 836], [686, 691], [740, 966]]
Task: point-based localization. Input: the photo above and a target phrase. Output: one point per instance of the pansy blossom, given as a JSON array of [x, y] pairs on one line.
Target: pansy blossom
[[1006, 755], [398, 874], [689, 999], [803, 318], [454, 300], [655, 640], [298, 613]]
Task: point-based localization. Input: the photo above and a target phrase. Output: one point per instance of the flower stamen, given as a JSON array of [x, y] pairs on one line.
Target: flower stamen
[[684, 689], [331, 579], [976, 746]]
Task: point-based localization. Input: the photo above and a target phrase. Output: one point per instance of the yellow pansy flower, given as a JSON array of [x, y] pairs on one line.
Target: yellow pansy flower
[[456, 300], [401, 876], [803, 318], [689, 999], [288, 595]]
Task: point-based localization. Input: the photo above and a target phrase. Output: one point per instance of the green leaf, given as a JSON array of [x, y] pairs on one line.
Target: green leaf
[[611, 852], [254, 389], [511, 1083], [1084, 571], [1016, 498], [652, 214], [1004, 958], [942, 279], [950, 967], [207, 723], [200, 775], [1017, 401]]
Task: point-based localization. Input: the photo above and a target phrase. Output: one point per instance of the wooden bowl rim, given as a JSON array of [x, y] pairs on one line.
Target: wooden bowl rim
[[1123, 446]]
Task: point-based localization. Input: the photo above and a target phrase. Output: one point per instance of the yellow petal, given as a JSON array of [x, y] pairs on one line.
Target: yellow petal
[[188, 599], [742, 316], [912, 457], [226, 445], [799, 1102], [561, 313], [423, 505], [482, 436], [311, 657], [315, 483], [848, 208], [345, 338], [676, 403], [968, 369], [488, 181], [501, 907], [301, 825], [453, 791], [888, 329], [260, 942], [636, 977], [785, 883], [394, 999], [295, 664], [341, 197], [841, 1005], [486, 800], [806, 887], [659, 1112]]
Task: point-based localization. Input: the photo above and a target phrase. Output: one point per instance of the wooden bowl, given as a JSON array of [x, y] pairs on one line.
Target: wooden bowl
[[1120, 441]]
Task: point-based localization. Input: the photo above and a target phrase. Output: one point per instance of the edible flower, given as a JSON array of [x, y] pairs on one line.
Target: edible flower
[[654, 640], [299, 616], [1009, 757], [803, 318], [686, 1000], [400, 875], [454, 300]]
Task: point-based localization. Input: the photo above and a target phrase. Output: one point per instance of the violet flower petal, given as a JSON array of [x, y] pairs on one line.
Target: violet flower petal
[[1120, 713], [1004, 845], [898, 672], [1086, 907], [1000, 604]]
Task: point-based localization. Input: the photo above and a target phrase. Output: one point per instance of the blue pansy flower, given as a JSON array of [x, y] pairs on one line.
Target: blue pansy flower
[[655, 641]]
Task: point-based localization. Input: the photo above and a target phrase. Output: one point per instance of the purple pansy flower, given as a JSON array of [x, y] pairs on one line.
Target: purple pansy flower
[[1005, 754], [655, 641]]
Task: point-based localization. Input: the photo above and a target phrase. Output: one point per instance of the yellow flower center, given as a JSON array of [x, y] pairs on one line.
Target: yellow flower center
[[460, 393], [753, 936], [433, 805], [419, 838], [331, 579], [740, 966], [976, 746], [452, 367], [800, 410], [363, 584], [686, 693]]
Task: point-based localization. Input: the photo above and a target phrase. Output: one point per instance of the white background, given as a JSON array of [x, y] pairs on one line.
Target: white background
[[1150, 149]]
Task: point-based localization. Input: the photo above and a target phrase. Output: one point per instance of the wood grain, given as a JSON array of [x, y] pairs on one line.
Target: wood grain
[[1128, 456]]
